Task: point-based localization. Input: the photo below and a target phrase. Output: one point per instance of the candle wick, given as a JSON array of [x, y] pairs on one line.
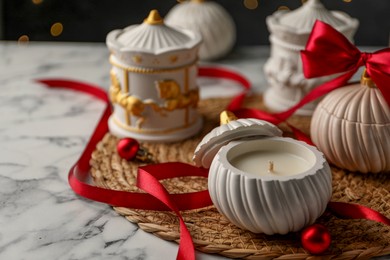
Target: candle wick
[[270, 166]]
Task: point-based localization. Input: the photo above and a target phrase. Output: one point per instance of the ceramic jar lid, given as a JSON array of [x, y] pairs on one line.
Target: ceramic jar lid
[[153, 37], [358, 103], [299, 22], [211, 20], [230, 130], [302, 19]]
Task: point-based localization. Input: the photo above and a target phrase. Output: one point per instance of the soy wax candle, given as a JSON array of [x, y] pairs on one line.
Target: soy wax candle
[[261, 181], [266, 162]]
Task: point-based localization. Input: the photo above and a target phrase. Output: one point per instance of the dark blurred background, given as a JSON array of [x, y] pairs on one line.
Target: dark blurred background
[[91, 20]]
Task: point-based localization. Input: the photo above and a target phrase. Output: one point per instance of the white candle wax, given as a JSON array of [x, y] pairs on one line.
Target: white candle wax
[[258, 163]]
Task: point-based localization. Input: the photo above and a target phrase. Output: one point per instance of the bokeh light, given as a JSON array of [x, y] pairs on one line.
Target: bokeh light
[[24, 39], [251, 4], [37, 2], [283, 7], [347, 1], [56, 29]]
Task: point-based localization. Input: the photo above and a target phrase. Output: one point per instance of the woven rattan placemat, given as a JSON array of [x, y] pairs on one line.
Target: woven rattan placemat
[[212, 233]]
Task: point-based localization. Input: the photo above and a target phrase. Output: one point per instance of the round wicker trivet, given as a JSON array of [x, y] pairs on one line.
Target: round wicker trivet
[[212, 233]]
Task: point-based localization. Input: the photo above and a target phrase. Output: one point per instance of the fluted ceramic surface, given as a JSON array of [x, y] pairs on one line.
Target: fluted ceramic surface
[[351, 126], [152, 38], [269, 205], [209, 19], [220, 136]]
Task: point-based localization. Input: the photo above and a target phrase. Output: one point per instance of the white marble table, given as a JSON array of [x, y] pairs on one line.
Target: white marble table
[[43, 132]]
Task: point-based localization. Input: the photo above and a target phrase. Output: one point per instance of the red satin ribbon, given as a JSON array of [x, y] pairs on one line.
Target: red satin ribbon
[[148, 176], [79, 173], [355, 211], [214, 72], [150, 184]]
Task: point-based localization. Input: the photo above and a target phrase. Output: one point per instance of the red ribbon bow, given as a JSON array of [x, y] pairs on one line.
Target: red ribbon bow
[[329, 52]]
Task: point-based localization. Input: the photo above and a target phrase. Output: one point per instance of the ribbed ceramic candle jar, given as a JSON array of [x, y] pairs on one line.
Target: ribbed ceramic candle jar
[[153, 81], [263, 182], [351, 126]]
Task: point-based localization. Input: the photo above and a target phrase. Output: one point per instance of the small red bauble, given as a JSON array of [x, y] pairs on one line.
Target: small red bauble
[[315, 239], [127, 148]]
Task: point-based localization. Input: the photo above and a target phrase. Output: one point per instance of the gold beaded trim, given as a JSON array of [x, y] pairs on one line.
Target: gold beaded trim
[[149, 70]]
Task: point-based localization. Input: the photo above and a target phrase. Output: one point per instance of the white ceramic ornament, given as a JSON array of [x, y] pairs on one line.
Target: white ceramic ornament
[[261, 181], [351, 126], [153, 81], [290, 31], [211, 20]]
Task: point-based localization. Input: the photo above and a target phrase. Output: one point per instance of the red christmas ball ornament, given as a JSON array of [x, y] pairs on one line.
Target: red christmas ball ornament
[[315, 239], [127, 148]]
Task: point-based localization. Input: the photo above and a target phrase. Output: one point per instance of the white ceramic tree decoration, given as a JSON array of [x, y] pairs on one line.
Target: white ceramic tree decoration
[[289, 33], [351, 126], [261, 181], [211, 20]]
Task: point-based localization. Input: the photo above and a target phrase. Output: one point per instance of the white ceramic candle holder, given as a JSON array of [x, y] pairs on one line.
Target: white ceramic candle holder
[[211, 20], [290, 31], [263, 182], [351, 126], [153, 81]]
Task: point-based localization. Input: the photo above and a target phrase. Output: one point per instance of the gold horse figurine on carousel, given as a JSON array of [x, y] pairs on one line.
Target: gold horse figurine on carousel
[[132, 104], [168, 90]]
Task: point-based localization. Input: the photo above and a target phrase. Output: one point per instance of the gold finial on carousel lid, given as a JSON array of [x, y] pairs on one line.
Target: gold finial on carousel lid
[[154, 18], [227, 116], [366, 80]]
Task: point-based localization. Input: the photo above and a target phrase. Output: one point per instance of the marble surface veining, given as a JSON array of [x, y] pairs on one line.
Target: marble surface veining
[[43, 132]]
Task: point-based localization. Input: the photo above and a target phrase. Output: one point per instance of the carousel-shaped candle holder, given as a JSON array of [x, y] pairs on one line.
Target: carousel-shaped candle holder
[[153, 81], [261, 181]]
